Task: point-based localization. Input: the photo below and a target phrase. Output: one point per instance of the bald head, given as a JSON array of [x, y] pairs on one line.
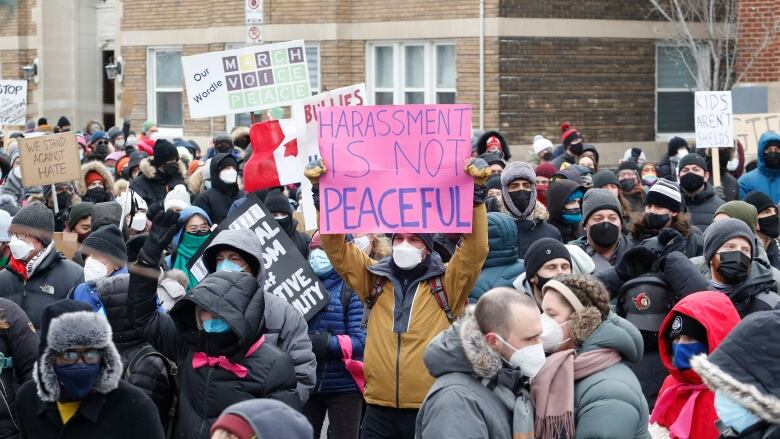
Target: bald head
[[496, 309]]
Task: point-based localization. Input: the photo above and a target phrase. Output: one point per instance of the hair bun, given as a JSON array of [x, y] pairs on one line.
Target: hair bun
[[565, 126]]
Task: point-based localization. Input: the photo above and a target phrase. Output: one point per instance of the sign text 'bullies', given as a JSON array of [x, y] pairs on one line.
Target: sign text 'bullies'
[[247, 79], [396, 169]]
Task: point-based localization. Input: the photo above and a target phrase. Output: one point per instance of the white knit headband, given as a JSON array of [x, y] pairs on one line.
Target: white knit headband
[[564, 291]]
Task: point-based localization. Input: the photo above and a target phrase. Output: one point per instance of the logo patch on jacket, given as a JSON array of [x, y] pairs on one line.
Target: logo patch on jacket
[[642, 302], [48, 289]]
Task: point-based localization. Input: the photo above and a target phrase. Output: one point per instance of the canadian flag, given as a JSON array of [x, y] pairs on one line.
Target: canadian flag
[[274, 160]]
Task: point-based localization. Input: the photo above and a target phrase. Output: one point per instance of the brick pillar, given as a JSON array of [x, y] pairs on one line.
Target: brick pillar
[[755, 17]]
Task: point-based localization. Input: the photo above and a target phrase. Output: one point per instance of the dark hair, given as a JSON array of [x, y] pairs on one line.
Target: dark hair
[[680, 223], [493, 308]]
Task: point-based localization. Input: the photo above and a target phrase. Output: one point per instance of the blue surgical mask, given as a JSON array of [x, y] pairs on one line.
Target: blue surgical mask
[[217, 326], [228, 265], [572, 218], [733, 415], [319, 262], [683, 352], [77, 380]]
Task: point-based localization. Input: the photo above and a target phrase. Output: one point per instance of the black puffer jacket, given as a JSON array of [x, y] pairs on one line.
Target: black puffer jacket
[[19, 342], [150, 373], [702, 206], [557, 193], [206, 391], [152, 185], [51, 280], [217, 200]]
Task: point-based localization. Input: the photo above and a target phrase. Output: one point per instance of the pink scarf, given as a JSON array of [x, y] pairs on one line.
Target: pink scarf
[[200, 359], [681, 428]]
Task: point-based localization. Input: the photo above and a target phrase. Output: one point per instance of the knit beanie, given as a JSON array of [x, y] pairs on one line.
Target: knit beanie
[[269, 419], [686, 325], [675, 144], [136, 158], [545, 169], [93, 176], [98, 135], [719, 232], [760, 200], [223, 138], [177, 198], [107, 241], [35, 219], [164, 152], [541, 143], [78, 212], [742, 211], [693, 159], [63, 122], [493, 182], [603, 178], [235, 425], [113, 133], [541, 252], [628, 165], [46, 189], [665, 193], [148, 124], [569, 134], [599, 199], [275, 201], [5, 222]]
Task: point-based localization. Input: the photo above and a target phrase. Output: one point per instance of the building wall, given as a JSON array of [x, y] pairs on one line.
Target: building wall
[[17, 19], [581, 9], [755, 18]]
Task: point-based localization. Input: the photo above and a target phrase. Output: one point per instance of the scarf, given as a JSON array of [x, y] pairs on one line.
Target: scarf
[[27, 269], [188, 246], [676, 409], [510, 390], [553, 389]]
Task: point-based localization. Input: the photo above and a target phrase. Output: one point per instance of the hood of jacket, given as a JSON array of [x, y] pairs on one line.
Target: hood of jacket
[[229, 296], [762, 142], [248, 243], [557, 193], [759, 279], [109, 212], [114, 293], [462, 348], [714, 311], [150, 172], [513, 172], [502, 240], [481, 144], [185, 216], [616, 333], [215, 165], [100, 168]]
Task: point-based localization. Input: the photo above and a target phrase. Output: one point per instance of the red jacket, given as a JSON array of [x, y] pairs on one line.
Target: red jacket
[[717, 314]]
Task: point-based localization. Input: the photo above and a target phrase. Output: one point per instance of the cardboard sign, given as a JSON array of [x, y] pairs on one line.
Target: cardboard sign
[[49, 159], [396, 169], [253, 11], [714, 119], [247, 79], [66, 243], [304, 113], [748, 128], [13, 102], [287, 273]]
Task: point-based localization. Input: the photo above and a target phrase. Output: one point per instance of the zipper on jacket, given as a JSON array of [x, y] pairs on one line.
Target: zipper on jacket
[[204, 420], [398, 373]]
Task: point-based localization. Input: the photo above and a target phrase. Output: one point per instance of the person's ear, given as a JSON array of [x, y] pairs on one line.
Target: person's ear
[[706, 176], [491, 340]]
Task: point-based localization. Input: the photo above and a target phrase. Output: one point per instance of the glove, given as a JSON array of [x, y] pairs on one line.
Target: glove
[[667, 235], [635, 262], [479, 169], [636, 152], [672, 241], [314, 170], [320, 345], [164, 227]]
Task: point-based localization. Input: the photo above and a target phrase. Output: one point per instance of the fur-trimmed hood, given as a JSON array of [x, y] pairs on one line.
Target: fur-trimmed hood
[[150, 171], [462, 348], [78, 329], [100, 168]]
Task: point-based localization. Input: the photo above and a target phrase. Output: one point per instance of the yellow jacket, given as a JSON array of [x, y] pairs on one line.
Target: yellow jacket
[[401, 326]]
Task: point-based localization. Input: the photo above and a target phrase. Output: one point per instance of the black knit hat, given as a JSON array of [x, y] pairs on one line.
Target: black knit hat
[[685, 325], [541, 252], [493, 182], [603, 178], [628, 165], [35, 219], [760, 200], [674, 144], [275, 201], [693, 159], [164, 151], [108, 241], [78, 212], [135, 159]]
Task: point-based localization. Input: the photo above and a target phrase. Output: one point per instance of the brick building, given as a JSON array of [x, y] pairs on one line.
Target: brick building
[[602, 64]]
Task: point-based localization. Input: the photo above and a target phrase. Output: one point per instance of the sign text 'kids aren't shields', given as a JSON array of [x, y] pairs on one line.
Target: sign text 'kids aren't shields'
[[245, 80]]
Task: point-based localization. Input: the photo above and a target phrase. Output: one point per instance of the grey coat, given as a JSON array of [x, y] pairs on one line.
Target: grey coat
[[609, 404]]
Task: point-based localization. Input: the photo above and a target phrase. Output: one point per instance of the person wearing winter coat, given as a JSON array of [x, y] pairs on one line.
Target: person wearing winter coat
[[18, 353], [224, 190], [282, 211], [194, 232], [631, 188], [563, 202], [482, 388], [285, 326], [765, 177], [696, 325], [768, 225], [729, 187], [677, 148], [261, 418], [699, 196], [159, 174], [502, 266], [590, 346], [96, 184], [602, 220], [518, 189], [13, 185], [544, 260], [336, 392], [37, 274], [493, 141], [77, 390], [106, 256], [573, 144], [215, 334], [742, 372]]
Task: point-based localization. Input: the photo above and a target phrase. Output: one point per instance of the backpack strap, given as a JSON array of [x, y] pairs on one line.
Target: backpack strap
[[440, 294], [770, 298], [373, 295]]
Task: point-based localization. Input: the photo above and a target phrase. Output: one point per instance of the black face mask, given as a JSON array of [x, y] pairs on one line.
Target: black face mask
[[285, 223], [97, 194], [576, 148], [171, 169], [63, 200], [547, 156], [769, 226], [223, 148], [214, 344], [655, 221], [691, 182], [604, 234], [541, 282], [772, 159], [627, 184], [734, 267], [520, 199]]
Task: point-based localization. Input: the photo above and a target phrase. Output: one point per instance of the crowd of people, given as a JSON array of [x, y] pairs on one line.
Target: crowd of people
[[594, 297]]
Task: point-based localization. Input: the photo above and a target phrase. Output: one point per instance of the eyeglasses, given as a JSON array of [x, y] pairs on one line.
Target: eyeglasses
[[201, 228], [90, 356], [101, 142]]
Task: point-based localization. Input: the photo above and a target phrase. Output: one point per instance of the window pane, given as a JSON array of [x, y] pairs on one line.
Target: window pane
[[169, 111], [168, 65], [672, 70], [313, 62], [384, 67], [445, 66], [383, 98], [445, 98], [675, 112], [415, 97], [415, 66], [242, 120]]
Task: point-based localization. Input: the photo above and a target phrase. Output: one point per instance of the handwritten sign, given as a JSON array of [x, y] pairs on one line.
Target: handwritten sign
[[49, 159], [395, 169], [245, 80], [714, 119], [13, 102], [287, 273], [748, 128], [304, 113]]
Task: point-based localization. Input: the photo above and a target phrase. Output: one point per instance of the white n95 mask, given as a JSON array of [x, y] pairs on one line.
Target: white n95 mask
[[406, 256]]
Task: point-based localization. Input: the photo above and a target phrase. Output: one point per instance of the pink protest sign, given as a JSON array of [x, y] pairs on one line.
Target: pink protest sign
[[396, 169]]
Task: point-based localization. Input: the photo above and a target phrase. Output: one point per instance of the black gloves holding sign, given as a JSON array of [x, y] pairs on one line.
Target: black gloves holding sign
[[164, 227]]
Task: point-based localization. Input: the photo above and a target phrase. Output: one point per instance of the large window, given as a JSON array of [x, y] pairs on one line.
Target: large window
[[165, 89], [675, 87], [411, 72]]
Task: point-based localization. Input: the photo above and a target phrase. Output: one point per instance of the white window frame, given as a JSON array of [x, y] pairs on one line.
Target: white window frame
[[151, 90], [666, 136], [399, 89]]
